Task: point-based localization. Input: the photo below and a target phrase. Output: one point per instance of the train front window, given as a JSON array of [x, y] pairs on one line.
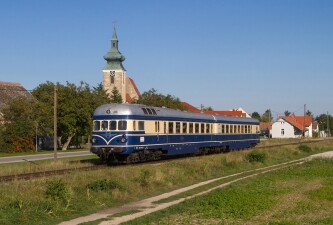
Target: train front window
[[141, 125], [122, 125], [105, 125], [113, 125], [97, 125]]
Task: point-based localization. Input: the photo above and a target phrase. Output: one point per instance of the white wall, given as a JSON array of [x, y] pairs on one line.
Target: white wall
[[288, 129]]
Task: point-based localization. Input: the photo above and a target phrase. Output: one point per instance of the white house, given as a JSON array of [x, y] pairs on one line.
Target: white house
[[292, 127]]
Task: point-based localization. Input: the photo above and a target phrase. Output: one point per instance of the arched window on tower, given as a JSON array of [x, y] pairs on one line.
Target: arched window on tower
[[112, 75]]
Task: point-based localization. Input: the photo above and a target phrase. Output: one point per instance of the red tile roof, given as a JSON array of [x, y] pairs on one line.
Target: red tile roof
[[265, 125], [226, 113], [134, 85], [190, 108], [298, 121]]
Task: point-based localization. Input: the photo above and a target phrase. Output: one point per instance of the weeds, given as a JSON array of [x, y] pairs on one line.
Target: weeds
[[256, 156], [305, 148], [58, 191], [103, 185]]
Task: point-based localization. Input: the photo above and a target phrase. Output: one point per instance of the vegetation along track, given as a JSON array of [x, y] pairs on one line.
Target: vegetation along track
[[143, 207], [28, 176]]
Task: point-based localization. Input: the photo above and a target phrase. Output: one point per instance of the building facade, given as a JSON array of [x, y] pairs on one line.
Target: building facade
[[114, 74], [292, 127]]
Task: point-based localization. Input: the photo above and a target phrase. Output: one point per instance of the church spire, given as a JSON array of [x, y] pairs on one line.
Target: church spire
[[113, 57]]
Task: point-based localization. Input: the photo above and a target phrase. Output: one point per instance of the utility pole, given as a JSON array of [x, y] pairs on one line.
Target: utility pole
[[328, 126], [269, 123], [36, 137], [304, 121], [55, 119]]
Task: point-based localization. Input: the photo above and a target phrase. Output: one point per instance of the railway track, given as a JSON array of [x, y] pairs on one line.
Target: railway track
[[29, 176]]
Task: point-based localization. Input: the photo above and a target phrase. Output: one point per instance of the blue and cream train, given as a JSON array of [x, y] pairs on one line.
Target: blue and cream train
[[135, 133]]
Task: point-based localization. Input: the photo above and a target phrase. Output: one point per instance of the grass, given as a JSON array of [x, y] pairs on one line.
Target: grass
[[298, 195], [46, 165], [82, 193]]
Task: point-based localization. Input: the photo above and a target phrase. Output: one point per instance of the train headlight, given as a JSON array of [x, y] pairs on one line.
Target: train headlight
[[123, 139], [93, 140]]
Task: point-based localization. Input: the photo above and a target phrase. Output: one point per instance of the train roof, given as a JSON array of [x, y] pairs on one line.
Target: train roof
[[126, 109]]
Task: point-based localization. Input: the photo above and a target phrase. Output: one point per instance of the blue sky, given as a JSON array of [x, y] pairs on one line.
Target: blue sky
[[257, 54]]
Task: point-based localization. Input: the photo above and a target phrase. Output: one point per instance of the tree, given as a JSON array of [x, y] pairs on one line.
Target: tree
[[76, 105], [308, 113], [267, 116], [256, 115], [18, 131], [153, 98], [287, 113], [209, 108], [325, 123], [116, 96]]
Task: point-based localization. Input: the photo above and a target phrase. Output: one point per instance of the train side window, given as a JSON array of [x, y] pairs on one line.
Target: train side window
[[134, 125], [249, 129], [97, 125], [178, 127], [202, 126], [144, 111], [227, 129], [122, 125], [113, 125], [141, 125], [184, 128], [157, 126], [239, 129], [245, 129], [170, 127], [223, 130], [190, 128], [105, 125], [149, 111], [165, 127], [231, 129], [196, 127], [208, 128]]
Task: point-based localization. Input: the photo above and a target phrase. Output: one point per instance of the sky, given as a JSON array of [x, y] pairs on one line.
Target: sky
[[258, 54]]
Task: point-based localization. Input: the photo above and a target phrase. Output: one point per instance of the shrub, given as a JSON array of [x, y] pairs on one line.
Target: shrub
[[103, 185], [305, 148], [256, 156], [144, 177], [57, 190]]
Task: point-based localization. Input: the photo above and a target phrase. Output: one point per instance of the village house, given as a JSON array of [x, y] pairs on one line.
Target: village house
[[10, 91], [292, 127]]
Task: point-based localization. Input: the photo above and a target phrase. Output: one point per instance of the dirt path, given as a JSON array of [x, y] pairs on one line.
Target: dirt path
[[149, 205]]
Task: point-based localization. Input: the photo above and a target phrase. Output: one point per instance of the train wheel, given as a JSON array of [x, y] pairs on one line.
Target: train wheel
[[133, 158]]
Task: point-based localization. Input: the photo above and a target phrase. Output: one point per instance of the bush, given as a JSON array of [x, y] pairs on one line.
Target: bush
[[144, 177], [57, 190], [256, 156], [103, 185], [305, 148]]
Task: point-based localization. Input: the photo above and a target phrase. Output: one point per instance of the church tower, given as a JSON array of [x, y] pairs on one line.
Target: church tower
[[114, 73]]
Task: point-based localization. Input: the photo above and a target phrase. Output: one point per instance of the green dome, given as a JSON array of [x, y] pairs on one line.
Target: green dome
[[113, 57]]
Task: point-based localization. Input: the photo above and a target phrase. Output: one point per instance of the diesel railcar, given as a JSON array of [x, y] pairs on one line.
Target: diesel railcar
[[132, 133]]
